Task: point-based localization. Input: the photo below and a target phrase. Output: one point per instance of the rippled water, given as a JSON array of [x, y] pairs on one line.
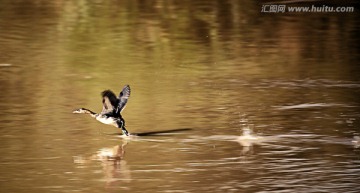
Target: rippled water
[[225, 98]]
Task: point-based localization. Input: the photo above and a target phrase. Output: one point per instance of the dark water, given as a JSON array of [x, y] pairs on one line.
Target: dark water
[[218, 68]]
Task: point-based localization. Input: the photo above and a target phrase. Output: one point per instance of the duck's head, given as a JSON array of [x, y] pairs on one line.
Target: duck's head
[[81, 111]]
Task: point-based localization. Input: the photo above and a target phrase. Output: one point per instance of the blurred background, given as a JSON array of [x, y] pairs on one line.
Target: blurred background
[[217, 67]]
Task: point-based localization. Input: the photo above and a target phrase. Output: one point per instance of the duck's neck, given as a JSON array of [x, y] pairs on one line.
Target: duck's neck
[[91, 113]]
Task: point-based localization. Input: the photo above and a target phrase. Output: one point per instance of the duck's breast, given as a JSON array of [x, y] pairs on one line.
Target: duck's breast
[[106, 120]]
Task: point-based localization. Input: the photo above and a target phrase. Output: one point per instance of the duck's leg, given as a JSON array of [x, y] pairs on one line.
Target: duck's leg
[[122, 127], [124, 131]]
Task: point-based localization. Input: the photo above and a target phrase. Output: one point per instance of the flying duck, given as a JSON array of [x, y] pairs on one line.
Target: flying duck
[[112, 107]]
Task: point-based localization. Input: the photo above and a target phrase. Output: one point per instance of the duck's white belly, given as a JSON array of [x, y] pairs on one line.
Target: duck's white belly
[[106, 120]]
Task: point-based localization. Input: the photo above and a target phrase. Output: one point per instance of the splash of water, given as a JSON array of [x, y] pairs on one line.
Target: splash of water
[[248, 138], [356, 141]]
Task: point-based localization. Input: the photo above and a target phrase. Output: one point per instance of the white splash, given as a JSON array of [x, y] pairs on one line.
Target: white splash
[[306, 105], [356, 141], [248, 138]]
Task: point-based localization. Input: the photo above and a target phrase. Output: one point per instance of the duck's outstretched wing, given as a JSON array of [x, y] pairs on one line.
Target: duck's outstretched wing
[[123, 98], [110, 102]]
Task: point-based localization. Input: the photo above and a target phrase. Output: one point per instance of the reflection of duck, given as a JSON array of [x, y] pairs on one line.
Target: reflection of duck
[[112, 107], [115, 168], [115, 153], [111, 154]]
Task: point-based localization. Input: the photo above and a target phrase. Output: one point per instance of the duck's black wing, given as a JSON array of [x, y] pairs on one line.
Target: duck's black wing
[[110, 102], [123, 98]]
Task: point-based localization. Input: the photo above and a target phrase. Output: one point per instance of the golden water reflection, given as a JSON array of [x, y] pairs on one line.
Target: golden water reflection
[[115, 168], [204, 65]]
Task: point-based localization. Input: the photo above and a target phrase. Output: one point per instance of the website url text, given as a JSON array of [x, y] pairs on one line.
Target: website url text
[[311, 9]]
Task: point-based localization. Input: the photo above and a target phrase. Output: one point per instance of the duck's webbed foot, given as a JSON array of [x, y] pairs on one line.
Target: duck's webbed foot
[[122, 127], [124, 131]]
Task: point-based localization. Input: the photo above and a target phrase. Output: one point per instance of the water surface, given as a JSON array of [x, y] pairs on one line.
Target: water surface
[[210, 69]]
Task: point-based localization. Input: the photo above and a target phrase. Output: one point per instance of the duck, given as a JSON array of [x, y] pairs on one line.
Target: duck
[[112, 108]]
